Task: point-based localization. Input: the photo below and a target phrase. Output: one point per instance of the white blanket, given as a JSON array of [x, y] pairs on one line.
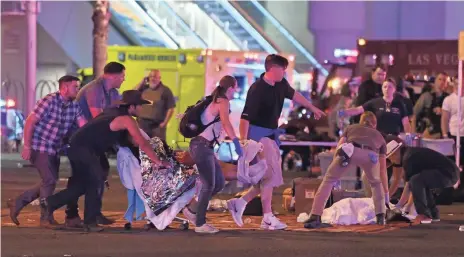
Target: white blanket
[[251, 174], [352, 211]]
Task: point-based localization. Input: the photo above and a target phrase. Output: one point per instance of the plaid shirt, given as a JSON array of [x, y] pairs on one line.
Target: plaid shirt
[[55, 118]]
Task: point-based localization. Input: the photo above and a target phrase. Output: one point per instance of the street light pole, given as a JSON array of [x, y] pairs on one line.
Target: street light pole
[[31, 52]]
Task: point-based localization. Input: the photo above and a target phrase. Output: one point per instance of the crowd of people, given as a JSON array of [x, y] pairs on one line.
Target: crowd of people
[[396, 111], [85, 124]]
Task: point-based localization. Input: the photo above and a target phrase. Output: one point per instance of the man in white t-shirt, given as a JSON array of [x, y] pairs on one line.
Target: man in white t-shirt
[[451, 122]]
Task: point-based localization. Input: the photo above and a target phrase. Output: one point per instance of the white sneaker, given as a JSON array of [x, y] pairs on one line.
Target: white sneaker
[[206, 229], [192, 217], [236, 208], [273, 223]]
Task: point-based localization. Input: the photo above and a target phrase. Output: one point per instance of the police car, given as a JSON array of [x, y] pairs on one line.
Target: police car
[[12, 125]]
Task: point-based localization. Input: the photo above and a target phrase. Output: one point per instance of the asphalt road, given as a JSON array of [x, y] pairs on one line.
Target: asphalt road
[[440, 239]]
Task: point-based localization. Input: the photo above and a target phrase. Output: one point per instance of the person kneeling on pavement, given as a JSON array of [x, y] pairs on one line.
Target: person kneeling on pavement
[[424, 170], [360, 145]]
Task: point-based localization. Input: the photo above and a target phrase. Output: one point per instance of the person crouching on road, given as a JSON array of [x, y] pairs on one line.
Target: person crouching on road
[[424, 170], [202, 152], [360, 145]]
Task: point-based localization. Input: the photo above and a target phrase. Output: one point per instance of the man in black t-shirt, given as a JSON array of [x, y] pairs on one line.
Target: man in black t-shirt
[[370, 89], [389, 116], [259, 122], [390, 111], [424, 170]]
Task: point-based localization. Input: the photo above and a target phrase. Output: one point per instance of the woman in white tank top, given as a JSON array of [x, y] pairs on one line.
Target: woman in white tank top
[[202, 153]]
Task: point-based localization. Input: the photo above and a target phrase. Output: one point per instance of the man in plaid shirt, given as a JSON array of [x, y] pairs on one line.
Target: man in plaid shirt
[[44, 130]]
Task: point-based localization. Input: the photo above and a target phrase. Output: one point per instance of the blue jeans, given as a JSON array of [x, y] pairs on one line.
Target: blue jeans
[[211, 176], [134, 206]]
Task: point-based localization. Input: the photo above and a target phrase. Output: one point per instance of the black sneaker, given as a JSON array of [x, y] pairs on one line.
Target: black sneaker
[[148, 226], [435, 215], [75, 222], [45, 209], [102, 220], [314, 222], [92, 228], [380, 219], [127, 226]]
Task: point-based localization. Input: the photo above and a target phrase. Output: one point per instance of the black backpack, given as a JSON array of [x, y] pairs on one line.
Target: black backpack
[[190, 125]]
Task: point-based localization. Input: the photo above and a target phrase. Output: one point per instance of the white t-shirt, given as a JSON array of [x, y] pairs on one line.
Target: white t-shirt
[[450, 104], [215, 129]]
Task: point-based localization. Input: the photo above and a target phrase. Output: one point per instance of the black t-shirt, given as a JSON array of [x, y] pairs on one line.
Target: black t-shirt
[[264, 102], [367, 91], [417, 159], [96, 135], [389, 118]]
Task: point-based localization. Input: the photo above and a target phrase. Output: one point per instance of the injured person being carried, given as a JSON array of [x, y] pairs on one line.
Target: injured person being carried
[[162, 192]]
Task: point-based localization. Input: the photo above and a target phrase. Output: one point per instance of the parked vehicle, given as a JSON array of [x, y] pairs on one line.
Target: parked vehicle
[[12, 125]]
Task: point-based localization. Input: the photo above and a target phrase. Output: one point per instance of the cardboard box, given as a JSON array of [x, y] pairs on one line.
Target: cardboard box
[[305, 191], [338, 195], [287, 197]]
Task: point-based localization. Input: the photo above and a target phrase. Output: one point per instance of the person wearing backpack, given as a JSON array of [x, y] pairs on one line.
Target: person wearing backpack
[[214, 115]]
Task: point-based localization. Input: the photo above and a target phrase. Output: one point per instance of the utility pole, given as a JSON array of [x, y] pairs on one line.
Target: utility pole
[[31, 52], [101, 19]]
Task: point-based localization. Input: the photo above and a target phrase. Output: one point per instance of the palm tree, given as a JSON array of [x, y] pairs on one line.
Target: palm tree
[[101, 18]]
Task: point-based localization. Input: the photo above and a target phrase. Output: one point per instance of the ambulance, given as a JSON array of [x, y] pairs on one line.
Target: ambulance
[[191, 74]]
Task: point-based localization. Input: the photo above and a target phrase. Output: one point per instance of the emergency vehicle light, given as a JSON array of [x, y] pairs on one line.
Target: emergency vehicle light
[[10, 103]]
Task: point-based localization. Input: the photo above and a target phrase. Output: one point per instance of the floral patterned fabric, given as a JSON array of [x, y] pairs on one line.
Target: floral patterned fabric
[[160, 186]]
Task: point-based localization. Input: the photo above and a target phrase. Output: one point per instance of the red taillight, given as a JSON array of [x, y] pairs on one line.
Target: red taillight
[[10, 103]]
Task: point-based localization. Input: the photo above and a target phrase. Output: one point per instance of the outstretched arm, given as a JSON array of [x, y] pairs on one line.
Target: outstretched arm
[[129, 124], [300, 99]]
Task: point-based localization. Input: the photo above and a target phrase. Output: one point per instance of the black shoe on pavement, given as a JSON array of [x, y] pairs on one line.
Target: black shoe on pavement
[[102, 220], [148, 226], [75, 222], [435, 215], [380, 219], [46, 212], [128, 226], [47, 223], [314, 222], [92, 228]]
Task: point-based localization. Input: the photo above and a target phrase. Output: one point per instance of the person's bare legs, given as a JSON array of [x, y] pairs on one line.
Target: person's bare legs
[[271, 179]]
